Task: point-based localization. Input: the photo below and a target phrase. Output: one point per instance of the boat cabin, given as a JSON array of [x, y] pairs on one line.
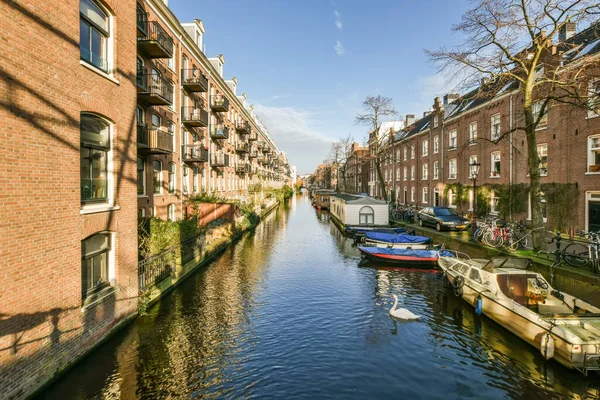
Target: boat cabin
[[352, 210], [321, 198]]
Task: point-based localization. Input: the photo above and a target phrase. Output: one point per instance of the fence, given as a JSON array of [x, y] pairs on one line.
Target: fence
[[157, 268]]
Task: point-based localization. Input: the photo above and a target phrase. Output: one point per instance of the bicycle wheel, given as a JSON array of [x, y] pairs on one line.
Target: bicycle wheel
[[476, 235], [576, 255], [512, 241], [492, 240]]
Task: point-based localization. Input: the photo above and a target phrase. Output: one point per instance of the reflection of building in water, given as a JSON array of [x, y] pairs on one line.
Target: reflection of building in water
[[345, 245]]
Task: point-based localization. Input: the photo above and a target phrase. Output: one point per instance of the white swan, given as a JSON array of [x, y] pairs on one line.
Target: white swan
[[401, 313]]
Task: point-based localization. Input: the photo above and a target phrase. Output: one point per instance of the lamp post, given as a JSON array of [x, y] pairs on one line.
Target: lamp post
[[474, 168]]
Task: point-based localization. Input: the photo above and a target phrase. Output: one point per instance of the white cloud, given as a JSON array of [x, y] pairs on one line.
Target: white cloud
[[338, 19], [339, 48], [293, 131]]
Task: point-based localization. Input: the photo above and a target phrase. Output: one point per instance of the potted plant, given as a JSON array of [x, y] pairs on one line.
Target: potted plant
[[595, 168]]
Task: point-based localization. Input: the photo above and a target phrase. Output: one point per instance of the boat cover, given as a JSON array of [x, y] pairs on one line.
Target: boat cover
[[380, 230], [405, 252], [396, 237]]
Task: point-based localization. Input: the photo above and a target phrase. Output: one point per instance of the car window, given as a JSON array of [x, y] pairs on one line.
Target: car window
[[445, 212]]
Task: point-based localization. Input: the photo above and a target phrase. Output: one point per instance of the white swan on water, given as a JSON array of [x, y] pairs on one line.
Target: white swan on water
[[401, 313]]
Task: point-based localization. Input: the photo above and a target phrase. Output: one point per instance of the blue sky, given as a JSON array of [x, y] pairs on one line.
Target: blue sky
[[306, 65]]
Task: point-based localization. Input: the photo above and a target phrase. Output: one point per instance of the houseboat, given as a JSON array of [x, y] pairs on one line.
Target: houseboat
[[561, 326], [321, 198], [351, 212]]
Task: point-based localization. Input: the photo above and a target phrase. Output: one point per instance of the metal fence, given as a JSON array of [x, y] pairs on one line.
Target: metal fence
[[157, 268]]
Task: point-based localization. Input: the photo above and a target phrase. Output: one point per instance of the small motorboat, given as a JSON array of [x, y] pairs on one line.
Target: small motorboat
[[353, 230], [421, 257], [561, 326], [384, 237]]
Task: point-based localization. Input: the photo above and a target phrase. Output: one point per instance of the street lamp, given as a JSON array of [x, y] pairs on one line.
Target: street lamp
[[474, 169]]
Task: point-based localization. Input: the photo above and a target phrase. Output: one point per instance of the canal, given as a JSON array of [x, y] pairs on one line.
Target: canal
[[288, 312]]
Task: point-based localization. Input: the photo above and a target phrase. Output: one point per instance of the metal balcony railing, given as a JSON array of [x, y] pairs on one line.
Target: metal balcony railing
[[220, 160], [159, 141], [156, 43], [194, 153], [154, 89], [194, 80], [219, 103], [244, 128], [194, 116], [219, 131], [242, 147]]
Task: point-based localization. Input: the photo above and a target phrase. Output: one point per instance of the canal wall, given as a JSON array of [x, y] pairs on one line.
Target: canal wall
[[581, 283]]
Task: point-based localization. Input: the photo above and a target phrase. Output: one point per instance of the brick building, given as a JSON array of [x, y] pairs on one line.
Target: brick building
[[354, 169], [92, 137]]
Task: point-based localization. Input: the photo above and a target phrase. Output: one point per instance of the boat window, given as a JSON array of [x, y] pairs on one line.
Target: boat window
[[474, 275], [514, 286]]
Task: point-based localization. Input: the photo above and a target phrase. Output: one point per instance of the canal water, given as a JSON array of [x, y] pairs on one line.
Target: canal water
[[291, 312]]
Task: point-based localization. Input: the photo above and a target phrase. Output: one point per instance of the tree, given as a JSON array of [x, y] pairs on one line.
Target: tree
[[510, 42], [339, 153], [376, 108]]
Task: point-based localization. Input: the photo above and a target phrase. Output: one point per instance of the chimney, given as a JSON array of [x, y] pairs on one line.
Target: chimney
[[409, 120], [391, 134], [567, 31], [450, 98], [426, 113]]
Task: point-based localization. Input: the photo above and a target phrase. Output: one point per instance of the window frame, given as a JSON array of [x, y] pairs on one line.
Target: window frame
[[591, 151], [535, 109], [425, 171], [425, 195], [106, 252], [100, 148], [436, 170], [172, 178], [493, 169], [104, 32], [452, 165], [543, 165], [141, 177], [157, 178], [425, 148], [436, 144], [473, 133], [452, 137], [495, 133]]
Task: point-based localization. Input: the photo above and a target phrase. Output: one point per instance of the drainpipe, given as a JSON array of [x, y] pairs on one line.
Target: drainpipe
[[510, 157], [442, 167]]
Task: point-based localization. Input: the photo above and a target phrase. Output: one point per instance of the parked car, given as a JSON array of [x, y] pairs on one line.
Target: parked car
[[442, 218]]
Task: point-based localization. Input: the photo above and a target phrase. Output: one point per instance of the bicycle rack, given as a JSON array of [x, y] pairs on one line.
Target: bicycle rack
[[556, 253]]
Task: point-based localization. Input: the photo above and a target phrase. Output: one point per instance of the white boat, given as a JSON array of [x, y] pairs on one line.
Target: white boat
[[562, 326]]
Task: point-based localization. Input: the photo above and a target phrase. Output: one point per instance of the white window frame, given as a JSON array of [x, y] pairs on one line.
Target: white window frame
[[405, 173], [542, 151], [472, 160], [494, 160], [594, 98], [473, 133], [535, 108], [493, 203], [436, 144], [412, 194], [425, 148], [160, 178], [495, 126], [435, 121], [452, 140], [436, 170], [171, 212], [452, 168], [109, 72], [405, 153], [425, 171], [412, 151], [412, 172], [593, 151], [425, 195]]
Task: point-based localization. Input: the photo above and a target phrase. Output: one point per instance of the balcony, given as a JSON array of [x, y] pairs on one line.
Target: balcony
[[261, 159], [219, 103], [253, 154], [191, 116], [159, 142], [156, 43], [142, 135], [194, 153], [242, 147], [193, 80], [253, 137], [244, 128], [265, 149], [154, 90], [242, 169], [219, 132], [220, 160]]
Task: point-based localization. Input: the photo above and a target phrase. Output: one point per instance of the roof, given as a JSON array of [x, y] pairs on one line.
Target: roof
[[354, 199]]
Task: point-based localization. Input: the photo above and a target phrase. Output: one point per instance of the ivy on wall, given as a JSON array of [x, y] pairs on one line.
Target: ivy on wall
[[561, 201]]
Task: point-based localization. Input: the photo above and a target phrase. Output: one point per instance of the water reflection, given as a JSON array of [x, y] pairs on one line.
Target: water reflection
[[291, 312]]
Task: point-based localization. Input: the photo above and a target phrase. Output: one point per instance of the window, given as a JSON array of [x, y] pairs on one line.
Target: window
[[451, 198], [398, 174], [94, 152], [172, 176], [474, 275], [435, 121], [141, 176], [425, 195], [405, 173], [473, 133], [436, 144], [398, 154], [495, 173], [542, 150], [386, 175], [452, 139], [495, 124], [594, 98], [157, 176], [493, 202], [366, 216], [93, 34], [171, 130], [185, 179], [452, 169], [412, 151], [171, 212], [94, 263], [536, 109], [412, 194], [141, 70], [405, 153], [425, 171], [156, 121], [195, 179], [436, 169], [472, 160], [594, 153], [141, 212], [412, 173], [425, 147]]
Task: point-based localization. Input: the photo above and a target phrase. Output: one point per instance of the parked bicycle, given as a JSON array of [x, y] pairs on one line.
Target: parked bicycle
[[582, 254]]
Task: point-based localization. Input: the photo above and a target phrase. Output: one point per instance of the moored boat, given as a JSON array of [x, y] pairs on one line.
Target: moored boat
[[560, 325], [422, 257], [384, 237]]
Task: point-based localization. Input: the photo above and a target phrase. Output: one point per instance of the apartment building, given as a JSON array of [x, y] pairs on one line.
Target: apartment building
[[195, 133], [433, 155], [354, 169]]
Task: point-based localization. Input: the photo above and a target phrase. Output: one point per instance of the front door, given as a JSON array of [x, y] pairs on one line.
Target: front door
[[436, 198], [594, 216]]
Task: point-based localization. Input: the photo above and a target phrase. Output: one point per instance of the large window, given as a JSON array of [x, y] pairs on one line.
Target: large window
[[436, 144], [495, 172], [412, 173], [141, 176], [594, 98], [594, 153], [185, 179], [472, 160], [157, 176], [425, 195], [366, 216], [405, 173], [452, 139], [494, 202], [537, 109], [405, 153], [452, 169], [195, 179], [436, 169], [425, 171], [412, 151], [473, 133], [412, 194], [172, 176], [425, 147], [171, 212], [495, 126], [94, 263], [542, 150], [94, 31], [94, 151]]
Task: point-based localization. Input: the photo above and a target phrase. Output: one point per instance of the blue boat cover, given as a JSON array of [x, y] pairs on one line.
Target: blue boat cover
[[405, 252], [380, 230], [396, 237]]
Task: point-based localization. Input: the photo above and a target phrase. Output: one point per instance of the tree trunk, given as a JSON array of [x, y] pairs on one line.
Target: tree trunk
[[381, 181], [537, 219]]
